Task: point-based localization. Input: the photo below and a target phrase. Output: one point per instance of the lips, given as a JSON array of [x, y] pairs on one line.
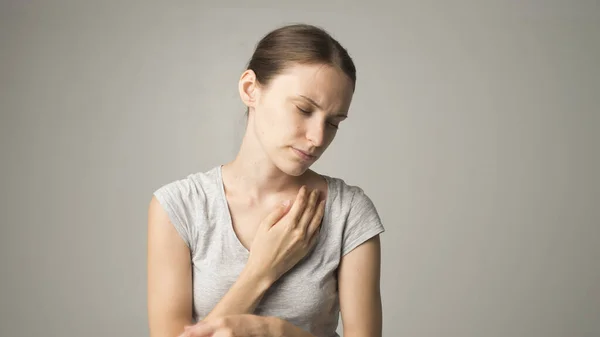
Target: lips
[[303, 154], [307, 154]]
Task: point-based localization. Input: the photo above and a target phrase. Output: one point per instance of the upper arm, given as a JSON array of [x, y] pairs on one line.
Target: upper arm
[[169, 275], [359, 291]]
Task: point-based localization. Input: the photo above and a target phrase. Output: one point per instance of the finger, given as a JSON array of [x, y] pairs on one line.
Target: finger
[[223, 333], [185, 331], [314, 239], [276, 215], [309, 211], [299, 205], [315, 222]]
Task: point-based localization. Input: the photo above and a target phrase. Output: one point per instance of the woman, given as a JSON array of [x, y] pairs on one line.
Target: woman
[[262, 245]]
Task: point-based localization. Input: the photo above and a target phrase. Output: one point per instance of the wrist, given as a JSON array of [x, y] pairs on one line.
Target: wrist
[[243, 296], [258, 280]]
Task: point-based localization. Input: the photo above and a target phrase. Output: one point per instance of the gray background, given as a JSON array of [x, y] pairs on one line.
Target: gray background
[[474, 128]]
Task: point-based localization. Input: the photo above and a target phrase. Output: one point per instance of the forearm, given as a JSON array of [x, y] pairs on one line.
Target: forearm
[[281, 328], [243, 296]]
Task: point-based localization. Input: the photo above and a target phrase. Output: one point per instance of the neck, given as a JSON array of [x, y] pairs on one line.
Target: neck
[[254, 174]]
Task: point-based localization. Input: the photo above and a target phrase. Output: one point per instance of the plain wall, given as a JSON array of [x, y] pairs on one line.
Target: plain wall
[[474, 129]]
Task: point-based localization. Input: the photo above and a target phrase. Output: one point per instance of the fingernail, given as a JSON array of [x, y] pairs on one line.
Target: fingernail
[[286, 203]]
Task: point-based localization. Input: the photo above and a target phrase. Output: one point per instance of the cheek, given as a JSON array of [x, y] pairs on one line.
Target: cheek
[[286, 121], [330, 136], [278, 124], [267, 118]]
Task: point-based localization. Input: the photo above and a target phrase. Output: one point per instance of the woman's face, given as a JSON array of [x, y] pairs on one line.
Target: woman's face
[[297, 116]]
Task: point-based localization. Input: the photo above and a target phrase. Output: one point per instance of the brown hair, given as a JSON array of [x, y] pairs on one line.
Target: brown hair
[[298, 43]]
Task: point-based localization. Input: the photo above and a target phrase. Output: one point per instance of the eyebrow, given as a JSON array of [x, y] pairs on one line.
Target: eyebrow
[[311, 101]]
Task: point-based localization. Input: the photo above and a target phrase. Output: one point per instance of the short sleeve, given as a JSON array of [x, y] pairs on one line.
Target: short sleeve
[[363, 222], [177, 198]]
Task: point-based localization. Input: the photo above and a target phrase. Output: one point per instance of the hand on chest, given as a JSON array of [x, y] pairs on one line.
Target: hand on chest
[[246, 215]]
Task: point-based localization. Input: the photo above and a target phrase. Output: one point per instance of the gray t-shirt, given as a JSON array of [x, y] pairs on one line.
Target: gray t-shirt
[[307, 295]]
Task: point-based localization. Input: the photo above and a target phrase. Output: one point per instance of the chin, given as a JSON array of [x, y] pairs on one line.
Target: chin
[[291, 167], [294, 169]]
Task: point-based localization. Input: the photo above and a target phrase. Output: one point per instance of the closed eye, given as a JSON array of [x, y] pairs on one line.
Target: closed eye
[[303, 111], [308, 113]]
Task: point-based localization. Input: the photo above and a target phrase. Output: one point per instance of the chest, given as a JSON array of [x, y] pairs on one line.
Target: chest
[[306, 296], [245, 221], [246, 217]]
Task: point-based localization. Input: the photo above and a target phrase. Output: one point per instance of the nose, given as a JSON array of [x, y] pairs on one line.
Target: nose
[[316, 133]]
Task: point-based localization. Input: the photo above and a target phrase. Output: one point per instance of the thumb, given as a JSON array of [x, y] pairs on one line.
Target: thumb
[[275, 215]]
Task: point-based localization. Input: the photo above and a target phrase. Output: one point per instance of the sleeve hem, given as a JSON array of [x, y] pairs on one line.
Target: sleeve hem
[[173, 216], [362, 238]]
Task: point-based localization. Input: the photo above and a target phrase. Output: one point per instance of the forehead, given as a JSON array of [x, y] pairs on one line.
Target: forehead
[[325, 84]]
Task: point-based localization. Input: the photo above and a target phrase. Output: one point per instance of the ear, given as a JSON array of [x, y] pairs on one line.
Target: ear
[[248, 87]]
